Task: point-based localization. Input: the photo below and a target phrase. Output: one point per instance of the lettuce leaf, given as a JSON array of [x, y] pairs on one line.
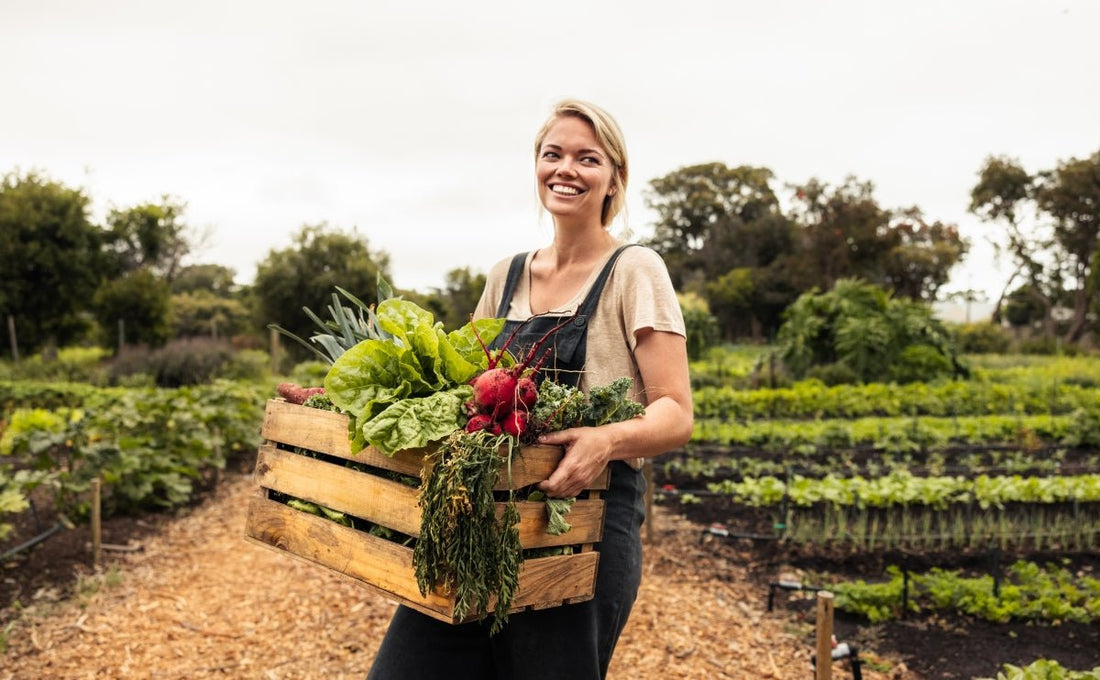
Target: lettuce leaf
[[416, 363], [413, 423]]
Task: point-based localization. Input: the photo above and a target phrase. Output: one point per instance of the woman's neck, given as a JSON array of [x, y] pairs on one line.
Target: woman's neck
[[575, 243]]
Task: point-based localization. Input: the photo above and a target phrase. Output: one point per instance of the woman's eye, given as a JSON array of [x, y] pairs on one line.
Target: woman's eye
[[591, 159], [549, 154]]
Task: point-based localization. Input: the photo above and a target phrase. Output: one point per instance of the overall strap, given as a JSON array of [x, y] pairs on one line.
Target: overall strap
[[588, 307], [515, 270]]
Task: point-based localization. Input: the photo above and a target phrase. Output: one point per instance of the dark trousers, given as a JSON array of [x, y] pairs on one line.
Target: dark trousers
[[572, 641]]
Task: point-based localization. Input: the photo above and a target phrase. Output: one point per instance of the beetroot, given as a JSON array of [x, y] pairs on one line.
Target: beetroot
[[527, 393], [515, 423], [495, 391], [482, 421], [502, 396]]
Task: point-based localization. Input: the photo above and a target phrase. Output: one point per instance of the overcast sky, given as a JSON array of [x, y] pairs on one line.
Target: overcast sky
[[412, 122]]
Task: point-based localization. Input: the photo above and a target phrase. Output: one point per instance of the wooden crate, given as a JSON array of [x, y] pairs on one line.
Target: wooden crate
[[383, 566]]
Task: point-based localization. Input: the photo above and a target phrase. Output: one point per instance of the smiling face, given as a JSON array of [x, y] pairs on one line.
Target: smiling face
[[573, 170]]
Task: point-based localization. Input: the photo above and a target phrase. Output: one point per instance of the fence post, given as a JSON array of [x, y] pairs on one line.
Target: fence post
[[824, 666], [11, 337], [274, 341]]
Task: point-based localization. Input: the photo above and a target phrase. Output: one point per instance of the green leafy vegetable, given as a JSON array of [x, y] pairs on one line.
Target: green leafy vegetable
[[556, 510], [407, 390], [560, 407]]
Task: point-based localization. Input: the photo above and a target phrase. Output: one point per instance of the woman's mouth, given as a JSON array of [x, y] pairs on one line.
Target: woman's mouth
[[564, 190]]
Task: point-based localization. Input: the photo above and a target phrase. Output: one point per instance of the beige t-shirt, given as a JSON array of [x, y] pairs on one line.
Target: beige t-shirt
[[637, 295]]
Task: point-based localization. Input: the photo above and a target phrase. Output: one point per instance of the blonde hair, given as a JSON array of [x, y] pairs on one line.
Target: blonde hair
[[611, 139]]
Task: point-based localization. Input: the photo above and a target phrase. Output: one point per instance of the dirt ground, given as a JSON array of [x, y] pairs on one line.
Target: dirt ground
[[193, 599]]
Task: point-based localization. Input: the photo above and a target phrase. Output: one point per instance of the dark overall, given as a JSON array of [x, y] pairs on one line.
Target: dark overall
[[573, 641]]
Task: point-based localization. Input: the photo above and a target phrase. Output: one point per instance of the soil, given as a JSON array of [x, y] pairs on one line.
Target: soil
[[184, 595]]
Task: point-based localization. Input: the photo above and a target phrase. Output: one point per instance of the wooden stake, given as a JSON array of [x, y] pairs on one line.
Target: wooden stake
[[97, 542], [824, 668], [273, 339], [11, 337]]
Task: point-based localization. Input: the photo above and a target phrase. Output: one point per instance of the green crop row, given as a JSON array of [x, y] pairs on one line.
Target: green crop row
[[1029, 592], [960, 527], [1007, 368], [811, 461], [48, 395], [896, 434], [1044, 669], [902, 488], [813, 399]]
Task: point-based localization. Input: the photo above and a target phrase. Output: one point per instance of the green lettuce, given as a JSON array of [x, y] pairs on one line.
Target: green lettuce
[[415, 422], [407, 391]]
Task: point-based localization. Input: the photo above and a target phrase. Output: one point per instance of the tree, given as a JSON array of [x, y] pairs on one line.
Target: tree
[[1056, 254], [723, 236], [699, 207], [307, 274], [1070, 196], [140, 300], [150, 235], [204, 314], [923, 256], [211, 278], [455, 302], [733, 296], [844, 232], [49, 256]]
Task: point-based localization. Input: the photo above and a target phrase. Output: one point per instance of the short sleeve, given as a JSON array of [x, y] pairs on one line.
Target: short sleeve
[[645, 296]]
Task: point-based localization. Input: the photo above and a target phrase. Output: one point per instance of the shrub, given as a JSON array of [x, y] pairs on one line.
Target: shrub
[[702, 326], [837, 373], [310, 373], [861, 325], [1048, 346], [188, 361], [918, 362], [249, 364], [982, 338], [72, 364]]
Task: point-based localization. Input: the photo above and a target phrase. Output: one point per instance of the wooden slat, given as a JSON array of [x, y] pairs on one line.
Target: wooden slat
[[586, 518], [363, 495], [394, 505], [386, 567], [327, 432], [309, 428]]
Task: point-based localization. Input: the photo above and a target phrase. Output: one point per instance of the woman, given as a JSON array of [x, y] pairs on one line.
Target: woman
[[630, 325]]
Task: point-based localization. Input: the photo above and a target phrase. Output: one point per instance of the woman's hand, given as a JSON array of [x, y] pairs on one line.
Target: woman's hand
[[587, 452]]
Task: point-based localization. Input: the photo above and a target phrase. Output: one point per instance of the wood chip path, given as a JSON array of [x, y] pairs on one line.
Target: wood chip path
[[199, 601]]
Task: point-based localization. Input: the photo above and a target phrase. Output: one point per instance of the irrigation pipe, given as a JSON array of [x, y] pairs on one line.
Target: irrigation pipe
[[32, 542]]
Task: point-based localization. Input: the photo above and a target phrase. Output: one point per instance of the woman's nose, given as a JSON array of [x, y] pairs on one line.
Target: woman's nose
[[566, 168]]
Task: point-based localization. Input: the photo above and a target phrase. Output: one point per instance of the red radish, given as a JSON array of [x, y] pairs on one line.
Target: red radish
[[515, 423]]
